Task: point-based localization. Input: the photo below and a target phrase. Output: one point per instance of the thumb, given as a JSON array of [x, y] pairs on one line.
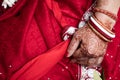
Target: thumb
[[73, 46]]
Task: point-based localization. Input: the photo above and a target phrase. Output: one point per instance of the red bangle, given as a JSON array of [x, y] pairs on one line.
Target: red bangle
[[97, 33], [100, 30]]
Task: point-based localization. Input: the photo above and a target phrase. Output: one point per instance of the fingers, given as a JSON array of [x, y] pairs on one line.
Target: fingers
[[83, 57], [91, 48], [78, 53], [95, 61], [89, 61], [82, 52], [73, 45], [82, 61], [99, 60]]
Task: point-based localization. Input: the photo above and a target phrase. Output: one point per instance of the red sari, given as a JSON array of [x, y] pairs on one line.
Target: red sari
[[31, 46]]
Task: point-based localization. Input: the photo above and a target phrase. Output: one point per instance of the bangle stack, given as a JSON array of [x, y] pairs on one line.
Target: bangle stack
[[100, 29], [95, 24]]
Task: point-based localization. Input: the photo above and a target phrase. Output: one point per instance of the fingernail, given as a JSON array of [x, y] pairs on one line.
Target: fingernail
[[100, 60], [68, 55]]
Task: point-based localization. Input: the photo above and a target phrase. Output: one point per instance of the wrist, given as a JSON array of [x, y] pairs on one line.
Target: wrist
[[106, 20], [100, 29], [109, 5]]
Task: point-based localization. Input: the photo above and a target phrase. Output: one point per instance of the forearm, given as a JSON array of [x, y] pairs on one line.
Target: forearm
[[110, 5]]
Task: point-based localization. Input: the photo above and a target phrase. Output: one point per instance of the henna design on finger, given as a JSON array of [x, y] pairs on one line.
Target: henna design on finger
[[91, 48]]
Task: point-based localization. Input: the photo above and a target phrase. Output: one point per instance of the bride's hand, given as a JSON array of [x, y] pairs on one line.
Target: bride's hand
[[86, 48]]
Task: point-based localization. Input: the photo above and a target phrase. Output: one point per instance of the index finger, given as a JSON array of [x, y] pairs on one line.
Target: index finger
[[73, 46]]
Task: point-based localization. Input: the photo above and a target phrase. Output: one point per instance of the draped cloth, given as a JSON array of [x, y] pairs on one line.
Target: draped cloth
[[31, 46]]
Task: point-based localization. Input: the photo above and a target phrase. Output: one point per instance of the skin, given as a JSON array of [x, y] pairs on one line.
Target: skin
[[86, 48]]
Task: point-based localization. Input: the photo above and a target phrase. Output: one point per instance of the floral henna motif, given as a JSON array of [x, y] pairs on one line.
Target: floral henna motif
[[87, 48]]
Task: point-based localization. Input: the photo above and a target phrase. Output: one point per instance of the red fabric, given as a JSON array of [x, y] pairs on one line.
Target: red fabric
[[111, 63], [32, 30], [47, 60]]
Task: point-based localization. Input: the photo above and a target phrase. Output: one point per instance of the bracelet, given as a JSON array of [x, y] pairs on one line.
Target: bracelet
[[100, 29], [113, 16], [104, 26], [97, 33], [94, 21]]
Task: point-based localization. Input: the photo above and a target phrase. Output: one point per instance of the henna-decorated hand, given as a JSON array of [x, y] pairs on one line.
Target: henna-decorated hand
[[86, 48]]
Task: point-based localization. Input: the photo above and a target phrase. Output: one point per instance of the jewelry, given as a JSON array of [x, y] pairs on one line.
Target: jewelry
[[101, 36], [99, 28]]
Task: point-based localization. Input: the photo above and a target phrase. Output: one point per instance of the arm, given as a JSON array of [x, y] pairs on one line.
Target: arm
[[86, 47], [111, 6]]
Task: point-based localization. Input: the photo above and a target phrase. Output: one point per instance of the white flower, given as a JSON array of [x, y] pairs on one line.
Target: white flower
[[90, 72], [68, 32], [66, 37], [87, 15], [81, 24], [71, 30], [8, 3]]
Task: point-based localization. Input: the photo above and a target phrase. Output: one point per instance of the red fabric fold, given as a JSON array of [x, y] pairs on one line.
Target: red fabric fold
[[13, 10], [40, 65]]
